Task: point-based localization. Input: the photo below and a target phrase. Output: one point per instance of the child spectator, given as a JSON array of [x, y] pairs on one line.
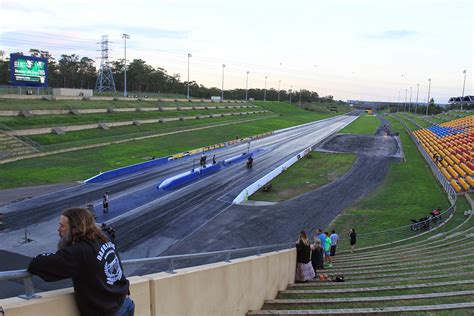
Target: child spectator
[[327, 249], [317, 256]]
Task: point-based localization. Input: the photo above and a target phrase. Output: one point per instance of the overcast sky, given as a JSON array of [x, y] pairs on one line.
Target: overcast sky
[[370, 50]]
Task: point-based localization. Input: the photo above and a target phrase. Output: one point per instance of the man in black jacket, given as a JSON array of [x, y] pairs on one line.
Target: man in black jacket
[[88, 257]]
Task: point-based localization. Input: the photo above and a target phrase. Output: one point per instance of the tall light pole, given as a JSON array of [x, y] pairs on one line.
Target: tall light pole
[[299, 100], [417, 91], [463, 86], [405, 106], [125, 38], [429, 90], [291, 90], [398, 102], [222, 90], [247, 88], [279, 82], [265, 90], [189, 56], [409, 104]]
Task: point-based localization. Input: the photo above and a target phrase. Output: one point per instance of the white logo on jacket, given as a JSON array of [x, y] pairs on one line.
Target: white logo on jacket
[[112, 268]]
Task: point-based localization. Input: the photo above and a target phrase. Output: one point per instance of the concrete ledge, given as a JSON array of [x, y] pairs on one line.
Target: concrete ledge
[[223, 288], [62, 302]]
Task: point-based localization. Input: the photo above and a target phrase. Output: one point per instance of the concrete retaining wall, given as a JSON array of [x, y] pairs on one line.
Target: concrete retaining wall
[[71, 128], [214, 289], [62, 302], [68, 92], [223, 288]]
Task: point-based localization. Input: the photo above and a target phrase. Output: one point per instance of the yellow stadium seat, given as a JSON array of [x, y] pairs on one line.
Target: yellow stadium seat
[[467, 169], [463, 183], [470, 180], [445, 173], [461, 172], [449, 160], [455, 186], [452, 172]]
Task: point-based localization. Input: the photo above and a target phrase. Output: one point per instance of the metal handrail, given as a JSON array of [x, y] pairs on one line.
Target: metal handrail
[[27, 276]]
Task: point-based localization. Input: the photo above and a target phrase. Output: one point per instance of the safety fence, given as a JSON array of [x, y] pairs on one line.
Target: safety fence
[[171, 261]]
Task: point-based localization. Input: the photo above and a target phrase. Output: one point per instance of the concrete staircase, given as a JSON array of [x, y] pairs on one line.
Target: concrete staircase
[[11, 146], [433, 276]]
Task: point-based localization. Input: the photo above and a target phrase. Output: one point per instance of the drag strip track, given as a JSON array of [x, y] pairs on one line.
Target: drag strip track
[[173, 215]]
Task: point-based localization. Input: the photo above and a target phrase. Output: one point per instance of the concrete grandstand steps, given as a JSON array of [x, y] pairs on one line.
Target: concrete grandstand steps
[[388, 276], [398, 265], [380, 288], [446, 263], [12, 146], [370, 298], [411, 277], [364, 311], [459, 253], [420, 243], [461, 243]]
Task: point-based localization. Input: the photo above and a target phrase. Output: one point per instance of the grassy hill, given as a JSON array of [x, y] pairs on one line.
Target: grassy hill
[[79, 165]]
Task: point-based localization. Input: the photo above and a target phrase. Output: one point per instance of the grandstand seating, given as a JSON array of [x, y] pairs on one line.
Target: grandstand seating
[[414, 276], [454, 142], [11, 146]]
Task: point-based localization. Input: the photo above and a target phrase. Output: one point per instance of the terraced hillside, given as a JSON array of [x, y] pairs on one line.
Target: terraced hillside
[[431, 275]]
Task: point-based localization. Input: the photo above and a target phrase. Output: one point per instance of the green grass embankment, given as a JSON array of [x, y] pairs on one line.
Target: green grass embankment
[[79, 165], [19, 122], [322, 168], [364, 125], [306, 175], [38, 104], [410, 190]]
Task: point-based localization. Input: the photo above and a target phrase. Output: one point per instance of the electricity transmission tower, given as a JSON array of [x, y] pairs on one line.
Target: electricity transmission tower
[[105, 79]]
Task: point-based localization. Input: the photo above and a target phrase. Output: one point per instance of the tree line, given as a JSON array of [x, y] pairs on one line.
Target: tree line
[[74, 71]]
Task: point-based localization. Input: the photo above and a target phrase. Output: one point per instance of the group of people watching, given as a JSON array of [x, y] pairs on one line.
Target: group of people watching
[[311, 257]]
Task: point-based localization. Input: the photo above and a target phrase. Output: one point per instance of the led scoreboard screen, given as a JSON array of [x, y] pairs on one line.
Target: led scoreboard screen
[[28, 71]]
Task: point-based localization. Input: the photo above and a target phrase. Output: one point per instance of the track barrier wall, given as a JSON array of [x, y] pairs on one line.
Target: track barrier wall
[[179, 180], [111, 174], [251, 189], [195, 174]]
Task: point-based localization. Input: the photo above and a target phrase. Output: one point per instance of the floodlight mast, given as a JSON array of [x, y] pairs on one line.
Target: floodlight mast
[[222, 90], [463, 86], [428, 101], [265, 90], [125, 38], [247, 87], [189, 56]]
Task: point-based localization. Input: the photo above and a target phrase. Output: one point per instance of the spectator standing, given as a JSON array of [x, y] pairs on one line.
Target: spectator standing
[[334, 240], [353, 238], [304, 269], [317, 256], [321, 237], [105, 203], [87, 256], [327, 249], [214, 159]]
